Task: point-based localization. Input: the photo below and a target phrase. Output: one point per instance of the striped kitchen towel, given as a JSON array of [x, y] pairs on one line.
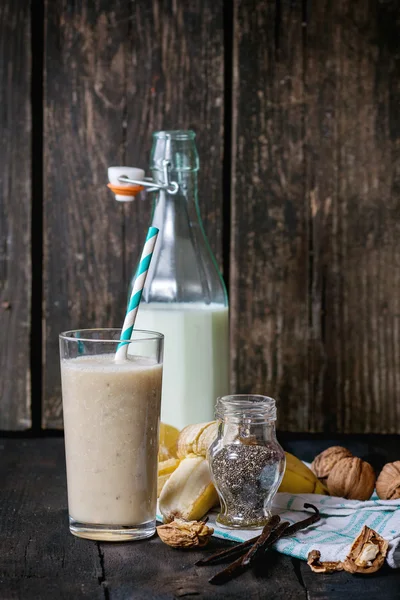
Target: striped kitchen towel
[[341, 522]]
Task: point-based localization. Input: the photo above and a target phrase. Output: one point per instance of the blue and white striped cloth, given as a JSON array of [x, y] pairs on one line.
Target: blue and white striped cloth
[[341, 522]]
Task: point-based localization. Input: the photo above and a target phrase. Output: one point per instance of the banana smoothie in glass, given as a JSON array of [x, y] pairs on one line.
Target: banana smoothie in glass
[[111, 421]]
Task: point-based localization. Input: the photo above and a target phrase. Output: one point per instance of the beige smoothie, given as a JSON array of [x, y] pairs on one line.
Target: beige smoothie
[[111, 418]]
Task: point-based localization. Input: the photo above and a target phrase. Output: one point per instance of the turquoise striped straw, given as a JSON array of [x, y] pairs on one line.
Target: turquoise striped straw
[[136, 295]]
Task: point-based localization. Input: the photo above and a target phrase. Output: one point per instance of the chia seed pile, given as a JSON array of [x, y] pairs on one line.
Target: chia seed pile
[[246, 476]]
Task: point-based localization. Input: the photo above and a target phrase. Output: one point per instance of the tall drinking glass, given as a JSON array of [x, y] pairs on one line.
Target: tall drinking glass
[[111, 421]]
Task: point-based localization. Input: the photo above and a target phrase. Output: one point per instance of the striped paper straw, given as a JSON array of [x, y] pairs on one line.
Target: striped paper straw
[[136, 295]]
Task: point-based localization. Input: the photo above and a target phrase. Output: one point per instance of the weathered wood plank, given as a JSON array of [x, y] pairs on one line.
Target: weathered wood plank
[[175, 81], [316, 149], [85, 103], [39, 558], [354, 92], [353, 134], [35, 543], [36, 546], [15, 214], [47, 589], [155, 571], [269, 270], [113, 77], [337, 586]]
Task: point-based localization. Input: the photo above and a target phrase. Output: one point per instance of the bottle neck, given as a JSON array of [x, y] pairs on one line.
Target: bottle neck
[[182, 269], [187, 182], [177, 214]]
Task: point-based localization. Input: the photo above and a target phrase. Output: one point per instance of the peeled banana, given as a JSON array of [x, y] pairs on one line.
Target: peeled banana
[[188, 494], [166, 467], [196, 439], [184, 484]]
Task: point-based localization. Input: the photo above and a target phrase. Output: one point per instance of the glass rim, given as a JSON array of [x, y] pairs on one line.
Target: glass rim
[[177, 134], [246, 400], [67, 335], [255, 405]]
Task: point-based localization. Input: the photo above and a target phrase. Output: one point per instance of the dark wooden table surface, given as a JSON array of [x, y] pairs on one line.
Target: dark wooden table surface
[[39, 558]]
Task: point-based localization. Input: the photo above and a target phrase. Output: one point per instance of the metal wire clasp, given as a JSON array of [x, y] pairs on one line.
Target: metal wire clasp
[[169, 186]]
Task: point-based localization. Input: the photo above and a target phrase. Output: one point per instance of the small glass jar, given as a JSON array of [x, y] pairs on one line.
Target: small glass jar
[[246, 461]]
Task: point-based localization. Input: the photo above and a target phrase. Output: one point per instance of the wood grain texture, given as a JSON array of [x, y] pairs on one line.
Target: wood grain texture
[[175, 81], [39, 558], [36, 546], [321, 329], [37, 552], [269, 270], [157, 572], [114, 74], [353, 162], [86, 45], [15, 214], [341, 585]]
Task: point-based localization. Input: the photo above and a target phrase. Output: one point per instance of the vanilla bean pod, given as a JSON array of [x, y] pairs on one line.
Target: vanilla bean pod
[[293, 529], [262, 540], [239, 549], [231, 571], [221, 555], [237, 567]]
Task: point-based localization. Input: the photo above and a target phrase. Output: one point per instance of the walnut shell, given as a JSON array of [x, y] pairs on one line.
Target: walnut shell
[[185, 534], [367, 553], [351, 478], [323, 464], [388, 482], [314, 562]]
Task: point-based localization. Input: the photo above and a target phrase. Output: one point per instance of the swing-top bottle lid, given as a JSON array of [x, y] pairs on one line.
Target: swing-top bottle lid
[[178, 147], [124, 192]]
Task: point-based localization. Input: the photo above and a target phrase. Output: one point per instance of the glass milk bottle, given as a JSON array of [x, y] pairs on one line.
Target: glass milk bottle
[[185, 297]]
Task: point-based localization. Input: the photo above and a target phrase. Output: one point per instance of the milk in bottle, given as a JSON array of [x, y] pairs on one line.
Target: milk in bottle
[[185, 297]]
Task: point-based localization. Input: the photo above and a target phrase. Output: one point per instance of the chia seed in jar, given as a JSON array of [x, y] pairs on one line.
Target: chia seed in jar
[[246, 470]]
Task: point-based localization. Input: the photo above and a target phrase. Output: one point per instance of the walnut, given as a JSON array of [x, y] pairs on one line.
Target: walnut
[[351, 478], [388, 482], [324, 462], [313, 560], [367, 554], [185, 534]]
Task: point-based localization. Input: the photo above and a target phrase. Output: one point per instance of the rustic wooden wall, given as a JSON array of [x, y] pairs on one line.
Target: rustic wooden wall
[[15, 215], [297, 109], [315, 284], [116, 72]]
